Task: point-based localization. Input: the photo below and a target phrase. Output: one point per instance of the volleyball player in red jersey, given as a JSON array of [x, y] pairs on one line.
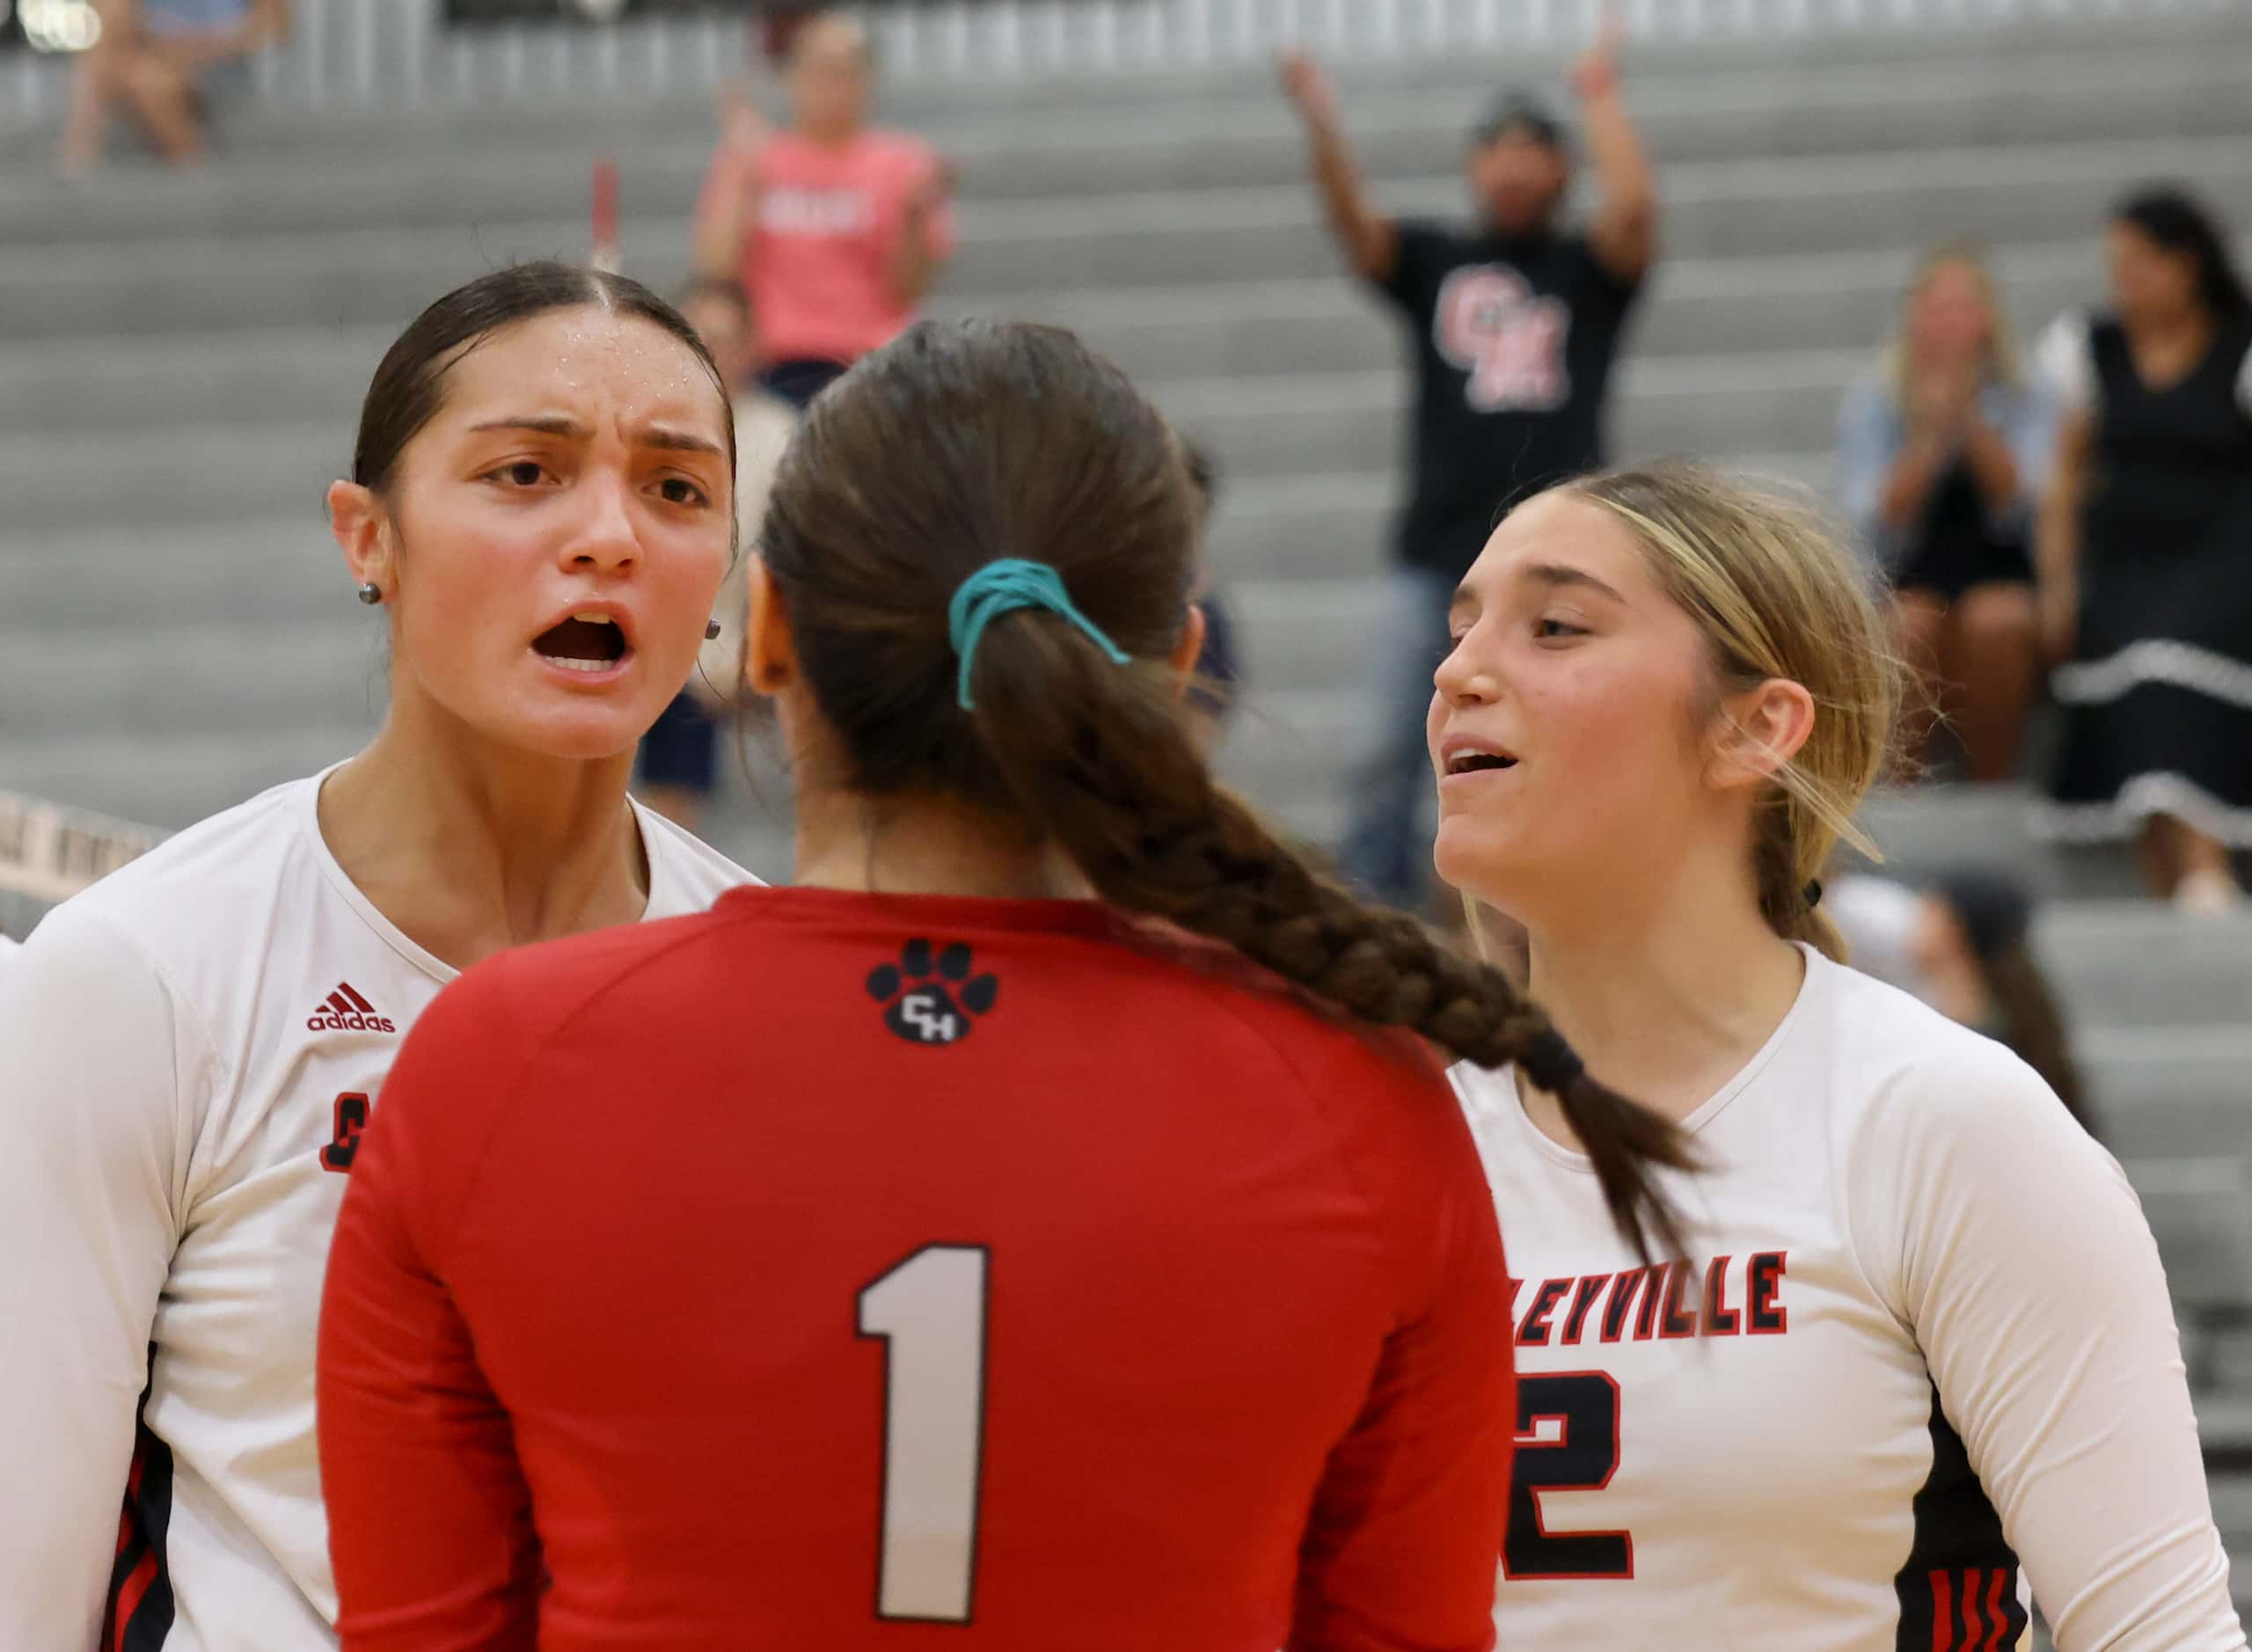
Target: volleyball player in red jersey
[[974, 1246]]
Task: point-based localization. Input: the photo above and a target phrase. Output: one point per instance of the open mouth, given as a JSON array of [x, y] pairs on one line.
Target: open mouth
[[1474, 762], [584, 642]]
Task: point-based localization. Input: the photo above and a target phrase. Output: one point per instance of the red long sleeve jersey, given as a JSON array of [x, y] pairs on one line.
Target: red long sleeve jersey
[[841, 1271]]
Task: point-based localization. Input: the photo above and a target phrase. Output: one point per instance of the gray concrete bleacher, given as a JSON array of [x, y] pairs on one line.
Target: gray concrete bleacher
[[215, 330], [181, 358]]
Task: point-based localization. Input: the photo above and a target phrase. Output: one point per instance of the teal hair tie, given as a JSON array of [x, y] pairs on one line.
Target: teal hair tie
[[1001, 587]]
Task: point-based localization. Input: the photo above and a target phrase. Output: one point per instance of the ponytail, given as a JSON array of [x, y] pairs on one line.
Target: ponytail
[[969, 530], [1790, 891]]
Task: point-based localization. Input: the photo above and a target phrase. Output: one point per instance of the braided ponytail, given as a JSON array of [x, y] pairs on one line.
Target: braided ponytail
[[969, 444], [1099, 763]]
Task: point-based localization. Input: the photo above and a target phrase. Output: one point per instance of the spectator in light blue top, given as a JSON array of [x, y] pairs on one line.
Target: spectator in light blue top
[[1942, 450]]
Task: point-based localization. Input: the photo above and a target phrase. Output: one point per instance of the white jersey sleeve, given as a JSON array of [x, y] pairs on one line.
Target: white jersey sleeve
[[96, 1058], [2013, 1247]]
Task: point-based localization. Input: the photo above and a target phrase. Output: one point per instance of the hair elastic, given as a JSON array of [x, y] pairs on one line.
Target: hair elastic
[[1813, 893], [1001, 587], [1552, 1064]]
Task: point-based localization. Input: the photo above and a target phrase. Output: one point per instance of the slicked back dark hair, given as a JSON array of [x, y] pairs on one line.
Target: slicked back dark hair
[[409, 387]]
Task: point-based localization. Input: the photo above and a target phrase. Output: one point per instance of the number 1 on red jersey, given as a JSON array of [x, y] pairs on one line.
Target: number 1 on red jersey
[[930, 1313]]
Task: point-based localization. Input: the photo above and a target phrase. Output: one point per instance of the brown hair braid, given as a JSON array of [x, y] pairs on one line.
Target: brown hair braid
[[963, 443]]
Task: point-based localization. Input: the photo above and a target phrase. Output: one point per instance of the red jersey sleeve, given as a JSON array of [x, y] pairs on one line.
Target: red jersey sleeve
[[429, 1519], [1404, 1539]]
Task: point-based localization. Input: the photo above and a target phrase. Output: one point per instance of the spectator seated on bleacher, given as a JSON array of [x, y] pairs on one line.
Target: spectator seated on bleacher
[[161, 62], [2145, 555], [1940, 450]]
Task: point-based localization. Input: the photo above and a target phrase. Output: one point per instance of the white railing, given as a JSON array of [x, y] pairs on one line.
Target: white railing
[[393, 54], [48, 852]]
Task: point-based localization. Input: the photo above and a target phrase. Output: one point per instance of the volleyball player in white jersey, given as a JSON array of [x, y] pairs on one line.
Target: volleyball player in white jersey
[[1920, 1349], [542, 498]]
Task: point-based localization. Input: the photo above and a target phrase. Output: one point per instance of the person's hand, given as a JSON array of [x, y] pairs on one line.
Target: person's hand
[[932, 193], [2059, 603], [1942, 400], [741, 126], [1308, 85], [1597, 73]]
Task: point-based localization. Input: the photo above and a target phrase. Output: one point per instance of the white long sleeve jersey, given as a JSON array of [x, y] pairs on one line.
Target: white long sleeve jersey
[[1922, 1335], [188, 1052]]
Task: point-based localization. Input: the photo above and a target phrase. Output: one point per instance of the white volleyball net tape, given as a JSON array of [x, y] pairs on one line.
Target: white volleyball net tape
[[49, 851]]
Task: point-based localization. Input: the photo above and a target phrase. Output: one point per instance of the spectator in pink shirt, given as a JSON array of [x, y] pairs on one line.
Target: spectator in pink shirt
[[835, 228]]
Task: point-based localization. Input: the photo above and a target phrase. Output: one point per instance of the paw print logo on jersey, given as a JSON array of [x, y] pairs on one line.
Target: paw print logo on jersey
[[933, 1000]]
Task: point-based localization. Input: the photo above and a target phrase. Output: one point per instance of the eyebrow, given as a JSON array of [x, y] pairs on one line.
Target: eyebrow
[[1557, 573], [662, 436]]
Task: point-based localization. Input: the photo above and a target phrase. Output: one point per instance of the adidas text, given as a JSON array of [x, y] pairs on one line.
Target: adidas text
[[355, 1022]]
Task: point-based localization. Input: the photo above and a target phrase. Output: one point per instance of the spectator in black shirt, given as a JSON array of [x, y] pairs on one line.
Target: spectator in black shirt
[[1517, 322], [2145, 549]]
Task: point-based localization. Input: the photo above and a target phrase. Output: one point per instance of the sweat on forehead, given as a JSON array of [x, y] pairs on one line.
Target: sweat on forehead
[[489, 321], [581, 356]]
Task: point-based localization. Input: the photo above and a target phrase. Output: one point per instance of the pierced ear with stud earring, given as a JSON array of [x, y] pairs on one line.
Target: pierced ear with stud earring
[[371, 594]]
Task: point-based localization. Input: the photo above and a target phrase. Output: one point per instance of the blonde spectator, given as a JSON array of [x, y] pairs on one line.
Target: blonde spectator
[[1940, 450]]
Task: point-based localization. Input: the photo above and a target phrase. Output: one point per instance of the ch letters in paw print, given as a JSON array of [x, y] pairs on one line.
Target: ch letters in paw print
[[932, 998]]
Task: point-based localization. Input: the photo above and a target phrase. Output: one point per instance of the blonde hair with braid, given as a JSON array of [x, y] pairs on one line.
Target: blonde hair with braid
[[1776, 594]]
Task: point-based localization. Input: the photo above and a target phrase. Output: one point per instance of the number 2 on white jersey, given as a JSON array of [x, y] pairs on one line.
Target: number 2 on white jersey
[[930, 1313]]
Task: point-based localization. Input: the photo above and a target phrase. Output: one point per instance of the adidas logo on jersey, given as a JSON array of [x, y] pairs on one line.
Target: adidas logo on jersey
[[346, 1012]]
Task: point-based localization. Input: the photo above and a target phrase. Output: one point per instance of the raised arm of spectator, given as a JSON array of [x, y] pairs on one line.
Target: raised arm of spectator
[[721, 221], [926, 237], [1370, 241], [1625, 231], [723, 211]]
